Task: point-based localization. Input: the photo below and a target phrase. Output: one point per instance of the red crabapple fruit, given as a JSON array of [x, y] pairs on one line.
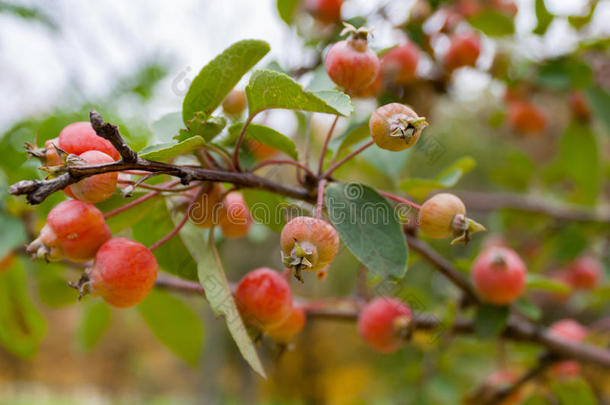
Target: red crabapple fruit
[[96, 188], [503, 379], [308, 244], [264, 298], [235, 218], [204, 212], [396, 127], [444, 215], [499, 275], [259, 150], [74, 230], [80, 137], [383, 324], [399, 64], [235, 102], [351, 64], [289, 327], [585, 272], [326, 11], [570, 330], [464, 50], [525, 117], [123, 274], [579, 106]]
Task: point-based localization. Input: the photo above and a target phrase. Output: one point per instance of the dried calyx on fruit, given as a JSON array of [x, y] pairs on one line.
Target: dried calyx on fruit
[[444, 215], [308, 244], [351, 64], [396, 127]]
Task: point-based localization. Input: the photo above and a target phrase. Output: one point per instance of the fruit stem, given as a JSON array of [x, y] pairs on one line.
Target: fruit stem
[[320, 201], [399, 199], [131, 204], [240, 140], [341, 162], [325, 146], [180, 225]]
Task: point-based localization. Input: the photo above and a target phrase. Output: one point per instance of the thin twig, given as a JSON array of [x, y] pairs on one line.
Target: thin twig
[[341, 162], [325, 145], [179, 226], [282, 162], [320, 202], [399, 199], [543, 364], [442, 265], [485, 201], [240, 140], [131, 204]]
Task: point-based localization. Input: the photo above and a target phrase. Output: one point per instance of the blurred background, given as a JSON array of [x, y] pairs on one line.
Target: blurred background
[[133, 62]]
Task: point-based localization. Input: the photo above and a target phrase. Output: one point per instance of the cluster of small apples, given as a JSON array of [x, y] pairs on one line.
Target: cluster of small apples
[[264, 299], [123, 271], [212, 206]]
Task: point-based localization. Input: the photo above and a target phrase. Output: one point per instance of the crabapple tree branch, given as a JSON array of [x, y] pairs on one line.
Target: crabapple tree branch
[[37, 191], [518, 330], [485, 201], [442, 265]]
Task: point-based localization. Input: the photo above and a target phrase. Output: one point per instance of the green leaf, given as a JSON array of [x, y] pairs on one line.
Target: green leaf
[[565, 74], [420, 188], [544, 18], [175, 324], [269, 89], [579, 163], [286, 9], [166, 127], [168, 150], [202, 125], [23, 327], [95, 321], [218, 77], [540, 282], [173, 257], [368, 225], [579, 21], [267, 136], [491, 320], [53, 289], [452, 174], [528, 308], [218, 293], [128, 218], [353, 135], [536, 399], [573, 391], [320, 80], [267, 208], [599, 99], [12, 234], [493, 23]]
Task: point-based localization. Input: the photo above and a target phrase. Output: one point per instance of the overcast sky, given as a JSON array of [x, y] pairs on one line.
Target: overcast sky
[[104, 39]]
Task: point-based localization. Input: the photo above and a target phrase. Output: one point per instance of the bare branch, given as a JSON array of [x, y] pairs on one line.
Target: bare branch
[[442, 265], [111, 132], [484, 201]]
